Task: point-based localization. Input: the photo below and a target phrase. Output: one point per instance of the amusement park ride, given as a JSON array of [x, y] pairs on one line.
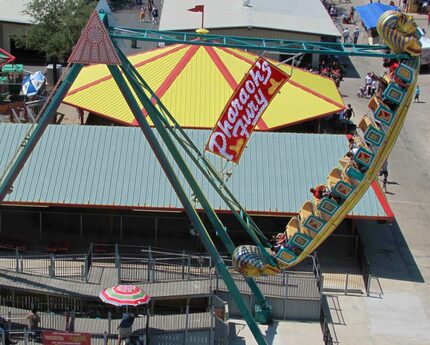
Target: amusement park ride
[[318, 218]]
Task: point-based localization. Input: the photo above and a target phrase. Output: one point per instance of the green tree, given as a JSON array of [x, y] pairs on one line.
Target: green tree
[[56, 26]]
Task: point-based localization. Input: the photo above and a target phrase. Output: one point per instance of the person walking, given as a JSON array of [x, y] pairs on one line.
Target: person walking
[[356, 34], [384, 172], [417, 94], [33, 322], [142, 14], [125, 327], [345, 35], [154, 13], [348, 113]]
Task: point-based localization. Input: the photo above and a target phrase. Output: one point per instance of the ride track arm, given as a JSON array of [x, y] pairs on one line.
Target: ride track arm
[[275, 45], [29, 143], [202, 163], [186, 202]]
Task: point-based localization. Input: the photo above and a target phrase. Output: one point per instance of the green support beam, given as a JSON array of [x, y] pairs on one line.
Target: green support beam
[[162, 128], [186, 202], [256, 44], [200, 161]]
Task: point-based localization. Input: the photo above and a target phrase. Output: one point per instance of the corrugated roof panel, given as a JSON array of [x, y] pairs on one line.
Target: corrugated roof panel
[[307, 16], [114, 166]]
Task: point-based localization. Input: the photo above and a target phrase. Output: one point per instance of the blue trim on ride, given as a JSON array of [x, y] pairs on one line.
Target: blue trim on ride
[[362, 151], [313, 223], [384, 114], [374, 136], [394, 93], [354, 173], [300, 240], [342, 189], [331, 210], [286, 256], [405, 73]]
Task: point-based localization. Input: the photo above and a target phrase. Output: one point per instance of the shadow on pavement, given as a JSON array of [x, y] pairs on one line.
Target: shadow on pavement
[[388, 253]]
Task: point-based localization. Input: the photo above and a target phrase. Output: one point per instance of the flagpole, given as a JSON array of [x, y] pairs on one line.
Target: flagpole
[[203, 18]]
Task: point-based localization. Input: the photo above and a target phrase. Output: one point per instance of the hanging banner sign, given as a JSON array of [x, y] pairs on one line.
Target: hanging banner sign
[[245, 107], [62, 338]]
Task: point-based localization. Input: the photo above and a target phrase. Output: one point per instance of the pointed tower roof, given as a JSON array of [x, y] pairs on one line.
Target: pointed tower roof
[[94, 45]]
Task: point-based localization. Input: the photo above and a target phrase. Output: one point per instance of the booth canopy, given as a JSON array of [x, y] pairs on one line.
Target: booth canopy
[[5, 57], [370, 13], [195, 83]]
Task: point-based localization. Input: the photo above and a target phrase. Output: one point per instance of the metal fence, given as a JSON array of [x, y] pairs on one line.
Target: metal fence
[[327, 338], [365, 268], [52, 265], [188, 328]]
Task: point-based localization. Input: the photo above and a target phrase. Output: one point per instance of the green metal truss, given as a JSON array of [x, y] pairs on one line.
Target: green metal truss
[[260, 44]]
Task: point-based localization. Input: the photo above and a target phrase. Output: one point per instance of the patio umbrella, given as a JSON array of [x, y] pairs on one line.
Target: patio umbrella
[[124, 295], [32, 83]]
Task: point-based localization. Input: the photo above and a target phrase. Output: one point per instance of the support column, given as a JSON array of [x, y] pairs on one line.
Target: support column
[[185, 200], [40, 225]]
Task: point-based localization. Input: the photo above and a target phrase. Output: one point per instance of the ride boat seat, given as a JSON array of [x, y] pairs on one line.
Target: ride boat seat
[[359, 141], [321, 214], [365, 123], [334, 177], [404, 73], [306, 211], [338, 183], [371, 132], [292, 227], [374, 103], [351, 174]]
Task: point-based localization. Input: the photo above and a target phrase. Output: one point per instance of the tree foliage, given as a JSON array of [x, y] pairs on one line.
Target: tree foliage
[[56, 26]]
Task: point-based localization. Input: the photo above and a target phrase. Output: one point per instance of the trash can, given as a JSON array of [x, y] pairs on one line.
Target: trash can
[[50, 73]]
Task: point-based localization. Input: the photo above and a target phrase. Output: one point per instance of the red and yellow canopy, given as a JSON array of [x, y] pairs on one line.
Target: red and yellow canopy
[[195, 83]]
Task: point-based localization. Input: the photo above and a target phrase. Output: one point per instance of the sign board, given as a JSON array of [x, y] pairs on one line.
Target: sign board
[[244, 108], [62, 338]]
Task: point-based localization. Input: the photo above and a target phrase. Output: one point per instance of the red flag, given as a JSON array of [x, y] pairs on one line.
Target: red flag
[[197, 8]]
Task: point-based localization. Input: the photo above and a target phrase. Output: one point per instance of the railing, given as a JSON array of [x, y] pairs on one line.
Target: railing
[[179, 328], [52, 265], [148, 265], [327, 338]]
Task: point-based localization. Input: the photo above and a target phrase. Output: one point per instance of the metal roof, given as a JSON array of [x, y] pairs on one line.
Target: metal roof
[[11, 11], [184, 77], [95, 166], [306, 16]]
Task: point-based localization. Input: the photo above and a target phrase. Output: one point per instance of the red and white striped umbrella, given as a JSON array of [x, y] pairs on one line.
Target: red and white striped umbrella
[[124, 295]]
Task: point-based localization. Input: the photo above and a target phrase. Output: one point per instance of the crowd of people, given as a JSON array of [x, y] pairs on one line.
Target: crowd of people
[[331, 69]]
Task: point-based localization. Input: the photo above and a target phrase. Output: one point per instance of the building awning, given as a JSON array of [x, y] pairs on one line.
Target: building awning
[[5, 58], [370, 13], [195, 83], [114, 167]]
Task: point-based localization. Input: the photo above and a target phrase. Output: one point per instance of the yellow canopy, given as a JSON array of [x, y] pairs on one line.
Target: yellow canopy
[[195, 83]]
